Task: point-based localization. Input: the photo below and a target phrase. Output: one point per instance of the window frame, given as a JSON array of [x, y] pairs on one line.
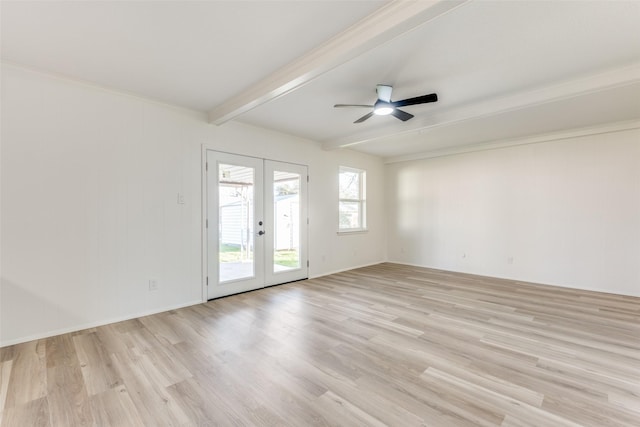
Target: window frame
[[361, 200]]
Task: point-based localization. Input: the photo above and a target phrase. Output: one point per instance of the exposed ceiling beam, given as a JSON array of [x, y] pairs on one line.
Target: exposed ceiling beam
[[570, 89], [388, 22]]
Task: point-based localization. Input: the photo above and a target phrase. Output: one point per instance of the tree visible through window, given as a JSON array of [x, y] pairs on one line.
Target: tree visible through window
[[352, 205]]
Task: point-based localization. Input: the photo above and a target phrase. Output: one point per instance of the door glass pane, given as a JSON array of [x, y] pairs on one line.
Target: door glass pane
[[286, 216], [236, 206]]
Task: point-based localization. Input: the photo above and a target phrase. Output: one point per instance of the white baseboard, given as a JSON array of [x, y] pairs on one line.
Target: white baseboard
[[517, 279], [328, 273], [94, 324]]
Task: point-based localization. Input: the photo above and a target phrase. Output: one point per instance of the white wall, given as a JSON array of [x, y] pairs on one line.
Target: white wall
[[563, 212], [89, 211]]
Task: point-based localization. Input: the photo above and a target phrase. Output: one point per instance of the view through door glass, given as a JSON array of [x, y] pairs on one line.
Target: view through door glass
[[256, 223], [235, 222], [286, 215], [286, 219]]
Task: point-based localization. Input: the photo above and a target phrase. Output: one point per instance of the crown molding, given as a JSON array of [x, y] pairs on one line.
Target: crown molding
[[388, 22], [504, 143]]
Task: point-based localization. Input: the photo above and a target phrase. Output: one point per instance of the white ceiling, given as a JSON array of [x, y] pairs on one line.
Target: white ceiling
[[502, 69]]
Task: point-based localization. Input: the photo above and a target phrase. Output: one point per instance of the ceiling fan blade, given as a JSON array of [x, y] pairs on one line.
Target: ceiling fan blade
[[352, 105], [363, 118], [402, 115], [384, 92], [417, 100]]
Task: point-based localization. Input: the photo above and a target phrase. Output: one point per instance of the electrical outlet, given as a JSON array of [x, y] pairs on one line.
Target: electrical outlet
[[153, 285], [510, 260]]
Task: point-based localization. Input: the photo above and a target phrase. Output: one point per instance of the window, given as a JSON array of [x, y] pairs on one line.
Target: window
[[352, 204]]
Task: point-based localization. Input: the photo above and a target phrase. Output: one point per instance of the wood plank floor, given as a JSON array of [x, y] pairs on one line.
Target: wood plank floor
[[383, 345]]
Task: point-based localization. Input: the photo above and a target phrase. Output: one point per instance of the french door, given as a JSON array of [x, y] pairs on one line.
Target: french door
[[256, 223]]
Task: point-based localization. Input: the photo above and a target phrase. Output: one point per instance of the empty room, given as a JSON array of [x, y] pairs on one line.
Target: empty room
[[320, 213]]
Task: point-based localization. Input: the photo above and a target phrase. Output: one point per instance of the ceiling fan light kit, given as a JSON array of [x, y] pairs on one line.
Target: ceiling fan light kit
[[384, 106]]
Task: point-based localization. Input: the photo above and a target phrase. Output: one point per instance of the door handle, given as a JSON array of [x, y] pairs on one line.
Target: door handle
[[260, 233]]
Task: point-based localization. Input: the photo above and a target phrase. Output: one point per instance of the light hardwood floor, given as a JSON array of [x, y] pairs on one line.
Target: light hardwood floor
[[382, 345]]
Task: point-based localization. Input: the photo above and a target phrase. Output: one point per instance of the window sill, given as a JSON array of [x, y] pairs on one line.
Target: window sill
[[352, 231]]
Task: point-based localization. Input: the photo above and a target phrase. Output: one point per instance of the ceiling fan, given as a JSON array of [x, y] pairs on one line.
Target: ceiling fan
[[384, 106]]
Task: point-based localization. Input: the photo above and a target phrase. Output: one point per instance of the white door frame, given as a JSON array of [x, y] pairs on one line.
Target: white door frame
[[257, 278], [271, 276], [207, 278]]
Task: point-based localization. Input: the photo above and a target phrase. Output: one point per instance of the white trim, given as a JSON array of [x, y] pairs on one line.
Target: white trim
[[388, 22], [218, 288], [346, 269], [204, 205], [537, 139], [204, 243], [516, 280], [361, 200], [302, 272], [95, 324], [352, 231]]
